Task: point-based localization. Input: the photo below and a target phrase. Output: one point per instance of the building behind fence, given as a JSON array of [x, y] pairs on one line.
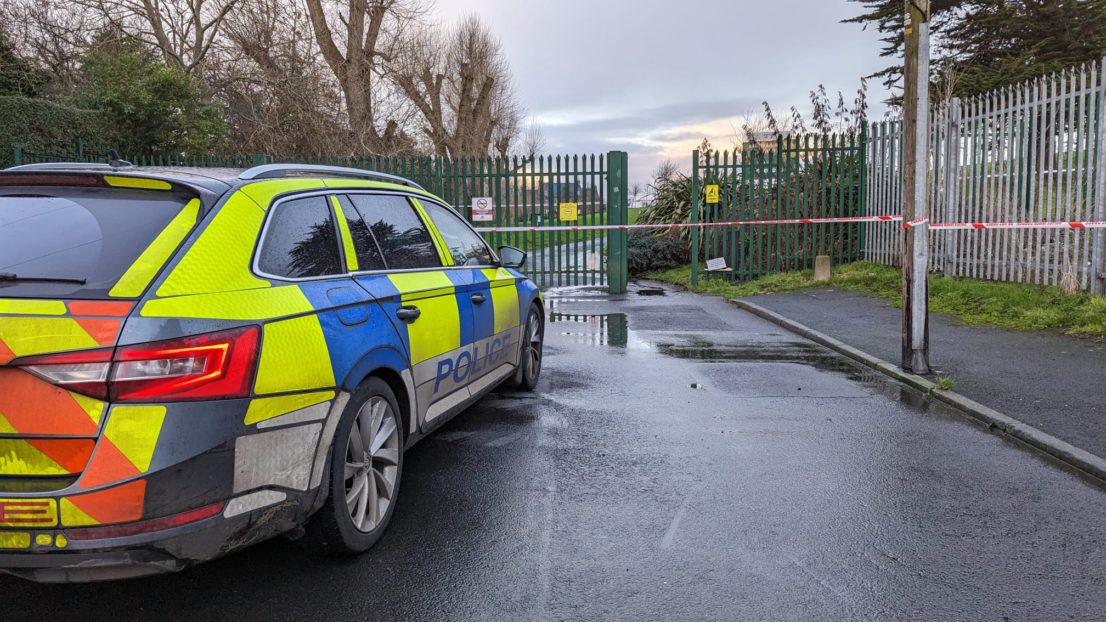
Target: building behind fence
[[1026, 153]]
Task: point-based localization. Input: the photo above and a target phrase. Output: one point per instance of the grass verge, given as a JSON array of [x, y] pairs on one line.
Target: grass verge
[[1005, 305]]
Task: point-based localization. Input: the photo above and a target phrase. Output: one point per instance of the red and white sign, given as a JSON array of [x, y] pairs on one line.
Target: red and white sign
[[483, 210]]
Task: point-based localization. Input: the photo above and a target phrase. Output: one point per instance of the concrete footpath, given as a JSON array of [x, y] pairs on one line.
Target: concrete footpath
[[1048, 380]]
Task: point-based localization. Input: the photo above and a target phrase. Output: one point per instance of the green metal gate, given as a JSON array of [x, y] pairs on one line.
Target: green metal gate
[[812, 176], [520, 192]]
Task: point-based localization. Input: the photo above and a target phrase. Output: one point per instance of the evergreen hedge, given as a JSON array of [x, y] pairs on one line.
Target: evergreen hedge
[[45, 129]]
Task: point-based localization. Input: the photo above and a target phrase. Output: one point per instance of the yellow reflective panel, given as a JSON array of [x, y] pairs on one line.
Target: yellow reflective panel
[[26, 336], [253, 304], [16, 512], [32, 307], [263, 192], [14, 540], [267, 408], [438, 329], [433, 281], [352, 264], [5, 426], [137, 278], [44, 539], [377, 185], [18, 457], [294, 357], [92, 406], [137, 182], [73, 516], [134, 431], [220, 258], [504, 299]]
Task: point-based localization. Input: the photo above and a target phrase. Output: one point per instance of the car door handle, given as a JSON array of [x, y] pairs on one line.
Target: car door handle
[[408, 314], [478, 298]]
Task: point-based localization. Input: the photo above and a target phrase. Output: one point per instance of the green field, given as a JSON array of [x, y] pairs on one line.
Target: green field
[[1004, 305]]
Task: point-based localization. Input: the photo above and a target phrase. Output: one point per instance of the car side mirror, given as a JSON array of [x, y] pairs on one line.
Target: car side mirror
[[511, 257]]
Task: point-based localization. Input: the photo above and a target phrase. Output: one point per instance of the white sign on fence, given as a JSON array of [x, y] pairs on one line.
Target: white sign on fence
[[593, 262], [717, 264], [483, 210]]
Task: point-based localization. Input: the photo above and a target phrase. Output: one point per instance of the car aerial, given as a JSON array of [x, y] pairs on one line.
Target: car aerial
[[196, 360]]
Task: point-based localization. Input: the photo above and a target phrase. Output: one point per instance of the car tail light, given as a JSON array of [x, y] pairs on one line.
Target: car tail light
[[212, 366], [157, 524], [81, 372]]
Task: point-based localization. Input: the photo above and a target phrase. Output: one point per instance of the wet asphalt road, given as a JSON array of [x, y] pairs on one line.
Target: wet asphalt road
[[681, 460]]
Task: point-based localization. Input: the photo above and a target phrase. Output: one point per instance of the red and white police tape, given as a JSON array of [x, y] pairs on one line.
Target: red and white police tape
[[701, 225], [980, 226], [946, 226]]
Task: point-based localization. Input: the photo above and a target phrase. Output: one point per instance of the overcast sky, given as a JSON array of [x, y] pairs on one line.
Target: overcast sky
[[653, 77]]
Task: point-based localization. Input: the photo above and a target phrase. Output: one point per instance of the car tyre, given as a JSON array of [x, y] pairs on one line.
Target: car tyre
[[530, 363], [366, 468]]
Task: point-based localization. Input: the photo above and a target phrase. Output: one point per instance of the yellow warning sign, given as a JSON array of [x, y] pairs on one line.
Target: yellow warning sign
[[712, 194], [570, 211]]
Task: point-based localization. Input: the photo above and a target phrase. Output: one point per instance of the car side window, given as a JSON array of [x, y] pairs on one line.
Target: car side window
[[465, 245], [369, 254], [301, 240], [397, 228]]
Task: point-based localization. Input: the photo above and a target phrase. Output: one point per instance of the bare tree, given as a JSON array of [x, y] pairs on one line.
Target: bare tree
[[357, 55], [461, 85], [533, 141], [53, 33], [635, 193], [183, 31], [262, 69]]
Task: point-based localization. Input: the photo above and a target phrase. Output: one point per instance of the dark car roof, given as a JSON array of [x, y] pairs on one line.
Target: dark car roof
[[211, 180]]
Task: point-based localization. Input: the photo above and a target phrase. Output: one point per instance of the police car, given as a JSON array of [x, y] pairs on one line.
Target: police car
[[195, 360]]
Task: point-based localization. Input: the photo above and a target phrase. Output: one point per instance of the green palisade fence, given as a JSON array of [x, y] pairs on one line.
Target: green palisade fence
[[812, 176], [526, 192]]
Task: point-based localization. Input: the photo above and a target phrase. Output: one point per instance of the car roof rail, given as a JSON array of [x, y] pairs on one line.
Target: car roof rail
[[277, 171], [64, 166]]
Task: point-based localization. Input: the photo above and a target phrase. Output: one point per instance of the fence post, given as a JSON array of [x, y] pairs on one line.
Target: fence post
[[260, 159], [1098, 253], [617, 213], [862, 200], [694, 217], [951, 176], [17, 155]]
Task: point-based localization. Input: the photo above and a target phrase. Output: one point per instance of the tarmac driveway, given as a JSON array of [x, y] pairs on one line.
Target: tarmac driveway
[[682, 459]]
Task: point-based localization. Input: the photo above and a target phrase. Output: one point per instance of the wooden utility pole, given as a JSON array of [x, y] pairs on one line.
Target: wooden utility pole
[[915, 258]]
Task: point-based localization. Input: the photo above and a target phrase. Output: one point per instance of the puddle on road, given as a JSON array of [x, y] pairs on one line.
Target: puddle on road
[[612, 330], [651, 292]]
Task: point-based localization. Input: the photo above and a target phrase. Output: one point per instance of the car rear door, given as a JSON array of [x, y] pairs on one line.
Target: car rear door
[[420, 295], [74, 258]]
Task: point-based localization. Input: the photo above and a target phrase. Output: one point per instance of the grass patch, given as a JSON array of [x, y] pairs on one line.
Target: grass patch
[[1005, 305], [945, 383]]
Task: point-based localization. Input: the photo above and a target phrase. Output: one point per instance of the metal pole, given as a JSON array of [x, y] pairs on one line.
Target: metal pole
[[915, 314], [1098, 254], [951, 175], [695, 206]]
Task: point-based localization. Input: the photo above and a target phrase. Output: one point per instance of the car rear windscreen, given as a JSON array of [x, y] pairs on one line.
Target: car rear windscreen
[[90, 234]]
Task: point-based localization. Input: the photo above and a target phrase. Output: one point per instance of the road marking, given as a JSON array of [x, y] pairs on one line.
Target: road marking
[[670, 535]]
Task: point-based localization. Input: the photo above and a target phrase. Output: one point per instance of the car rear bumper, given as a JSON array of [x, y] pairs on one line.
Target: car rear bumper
[[171, 550]]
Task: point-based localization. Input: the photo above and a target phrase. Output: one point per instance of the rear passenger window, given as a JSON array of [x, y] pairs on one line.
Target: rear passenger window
[[402, 236], [369, 255], [301, 240]]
